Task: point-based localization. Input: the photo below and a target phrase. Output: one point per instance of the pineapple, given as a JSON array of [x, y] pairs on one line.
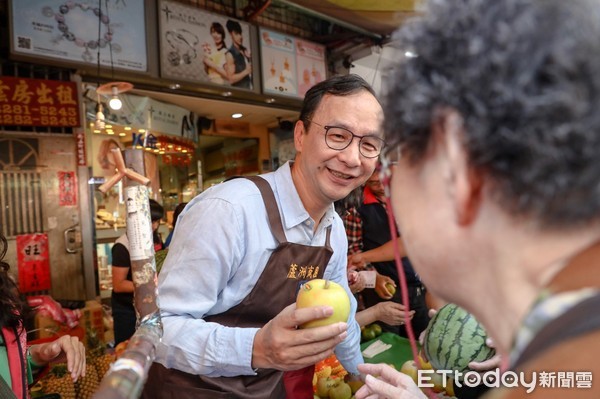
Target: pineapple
[[59, 381], [102, 364], [86, 386]]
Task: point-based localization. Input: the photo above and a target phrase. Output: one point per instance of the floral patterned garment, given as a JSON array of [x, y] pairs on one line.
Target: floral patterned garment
[[547, 307]]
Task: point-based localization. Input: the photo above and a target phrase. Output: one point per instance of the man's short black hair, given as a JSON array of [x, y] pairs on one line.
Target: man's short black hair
[[234, 26], [342, 85]]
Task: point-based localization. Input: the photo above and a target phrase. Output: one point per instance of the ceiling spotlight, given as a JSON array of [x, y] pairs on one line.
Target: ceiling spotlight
[[236, 115], [174, 86], [270, 100], [226, 93]]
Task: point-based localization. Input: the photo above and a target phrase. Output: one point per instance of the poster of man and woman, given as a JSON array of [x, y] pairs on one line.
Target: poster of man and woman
[[199, 46]]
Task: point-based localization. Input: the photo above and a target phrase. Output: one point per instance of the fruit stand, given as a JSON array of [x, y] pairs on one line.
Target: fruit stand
[[329, 378], [399, 356], [396, 355]]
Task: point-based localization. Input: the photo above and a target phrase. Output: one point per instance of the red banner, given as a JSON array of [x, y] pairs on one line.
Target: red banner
[[81, 157], [34, 263], [38, 102], [67, 189]]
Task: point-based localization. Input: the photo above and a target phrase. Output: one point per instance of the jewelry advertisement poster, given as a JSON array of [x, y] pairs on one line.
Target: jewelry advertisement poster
[[202, 47], [290, 66], [68, 30]]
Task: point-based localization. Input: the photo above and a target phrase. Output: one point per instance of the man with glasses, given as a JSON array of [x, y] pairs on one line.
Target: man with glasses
[[493, 107], [242, 248]]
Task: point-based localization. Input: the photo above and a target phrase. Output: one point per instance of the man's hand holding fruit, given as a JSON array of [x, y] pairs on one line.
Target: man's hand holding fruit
[[305, 332]]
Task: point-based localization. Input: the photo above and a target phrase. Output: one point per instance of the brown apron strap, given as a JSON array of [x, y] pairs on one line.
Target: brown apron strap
[[271, 204], [582, 318], [328, 234]]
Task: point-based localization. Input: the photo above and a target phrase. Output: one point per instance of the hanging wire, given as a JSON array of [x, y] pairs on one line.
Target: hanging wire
[[112, 67], [99, 122], [99, 36]]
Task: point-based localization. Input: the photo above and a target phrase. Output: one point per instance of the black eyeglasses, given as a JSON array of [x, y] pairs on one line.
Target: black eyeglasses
[[339, 138], [388, 161]]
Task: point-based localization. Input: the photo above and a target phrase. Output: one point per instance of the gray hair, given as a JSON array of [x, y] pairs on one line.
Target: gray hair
[[525, 77]]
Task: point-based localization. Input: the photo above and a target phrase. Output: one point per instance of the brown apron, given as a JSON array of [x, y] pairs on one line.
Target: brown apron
[[288, 266]]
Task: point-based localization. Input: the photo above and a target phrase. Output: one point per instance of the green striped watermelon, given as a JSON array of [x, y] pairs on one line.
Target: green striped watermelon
[[454, 338], [159, 258]]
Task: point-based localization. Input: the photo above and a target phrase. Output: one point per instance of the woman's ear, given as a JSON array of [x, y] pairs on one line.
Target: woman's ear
[[463, 182]]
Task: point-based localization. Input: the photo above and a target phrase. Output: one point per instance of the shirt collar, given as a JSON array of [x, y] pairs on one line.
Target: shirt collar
[[293, 212]]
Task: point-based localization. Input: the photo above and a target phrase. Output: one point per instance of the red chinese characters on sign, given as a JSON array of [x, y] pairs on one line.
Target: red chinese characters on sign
[[33, 262], [67, 189], [80, 150], [38, 102]]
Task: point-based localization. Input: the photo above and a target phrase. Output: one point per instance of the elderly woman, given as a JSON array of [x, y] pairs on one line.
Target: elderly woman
[[492, 118]]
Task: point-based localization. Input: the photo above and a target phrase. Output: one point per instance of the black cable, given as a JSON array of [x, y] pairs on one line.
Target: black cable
[[112, 67], [99, 36]]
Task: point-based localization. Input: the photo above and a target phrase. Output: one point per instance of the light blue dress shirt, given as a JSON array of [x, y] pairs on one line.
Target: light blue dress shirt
[[220, 246]]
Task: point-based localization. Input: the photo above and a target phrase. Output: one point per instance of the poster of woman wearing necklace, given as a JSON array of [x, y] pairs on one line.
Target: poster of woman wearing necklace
[[202, 47]]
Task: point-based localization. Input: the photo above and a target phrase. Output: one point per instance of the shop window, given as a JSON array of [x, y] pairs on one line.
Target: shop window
[[227, 157], [21, 210]]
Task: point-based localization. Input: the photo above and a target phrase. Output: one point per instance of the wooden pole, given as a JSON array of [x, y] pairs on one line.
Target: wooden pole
[[127, 375]]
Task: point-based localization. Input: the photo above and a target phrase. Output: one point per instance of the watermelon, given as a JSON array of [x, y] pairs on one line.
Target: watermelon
[[454, 338], [159, 258]]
